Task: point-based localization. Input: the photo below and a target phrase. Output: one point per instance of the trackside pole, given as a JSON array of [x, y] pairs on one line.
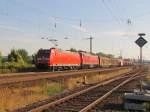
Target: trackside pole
[[85, 79], [141, 56]]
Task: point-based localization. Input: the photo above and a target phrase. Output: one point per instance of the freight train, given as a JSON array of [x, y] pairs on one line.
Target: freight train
[[58, 59]]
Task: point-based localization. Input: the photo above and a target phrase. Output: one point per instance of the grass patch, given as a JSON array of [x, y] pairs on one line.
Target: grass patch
[[54, 88], [13, 98]]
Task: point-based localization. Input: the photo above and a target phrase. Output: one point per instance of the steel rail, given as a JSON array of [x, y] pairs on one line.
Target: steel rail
[[10, 80], [90, 106], [22, 74], [7, 75], [52, 104]]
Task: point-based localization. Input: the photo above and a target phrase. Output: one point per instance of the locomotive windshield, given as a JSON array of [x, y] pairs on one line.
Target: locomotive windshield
[[43, 53]]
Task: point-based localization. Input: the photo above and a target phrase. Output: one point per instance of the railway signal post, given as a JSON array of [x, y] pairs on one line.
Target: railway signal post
[[141, 42]]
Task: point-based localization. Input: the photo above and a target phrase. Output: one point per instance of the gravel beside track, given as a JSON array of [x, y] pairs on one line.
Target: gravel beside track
[[79, 100], [115, 101]]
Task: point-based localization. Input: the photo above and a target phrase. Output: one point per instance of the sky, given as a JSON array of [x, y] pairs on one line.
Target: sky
[[114, 25]]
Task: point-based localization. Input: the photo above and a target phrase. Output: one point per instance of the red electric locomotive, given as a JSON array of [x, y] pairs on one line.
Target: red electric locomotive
[[57, 59], [89, 60]]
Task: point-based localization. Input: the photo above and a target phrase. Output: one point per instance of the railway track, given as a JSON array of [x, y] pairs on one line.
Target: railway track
[[38, 76], [93, 105], [86, 99], [115, 101]]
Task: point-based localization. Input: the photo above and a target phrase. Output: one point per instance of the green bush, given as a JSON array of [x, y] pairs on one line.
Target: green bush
[[9, 67], [24, 54], [18, 61], [19, 56]]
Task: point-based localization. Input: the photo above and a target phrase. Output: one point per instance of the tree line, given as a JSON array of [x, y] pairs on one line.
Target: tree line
[[99, 53], [17, 60], [16, 55]]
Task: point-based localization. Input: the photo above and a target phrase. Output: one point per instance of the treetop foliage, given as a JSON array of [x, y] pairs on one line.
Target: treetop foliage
[[0, 57], [24, 54], [73, 50], [105, 55], [20, 56]]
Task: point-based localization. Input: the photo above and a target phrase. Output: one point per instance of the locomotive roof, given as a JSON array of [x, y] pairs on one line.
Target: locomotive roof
[[44, 50], [88, 54]]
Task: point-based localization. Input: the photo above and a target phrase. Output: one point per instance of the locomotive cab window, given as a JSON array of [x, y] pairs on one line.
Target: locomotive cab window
[[44, 53]]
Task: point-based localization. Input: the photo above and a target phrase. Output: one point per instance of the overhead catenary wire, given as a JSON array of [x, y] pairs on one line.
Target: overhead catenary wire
[[111, 12], [125, 18], [56, 17], [122, 17], [79, 20], [41, 12]]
